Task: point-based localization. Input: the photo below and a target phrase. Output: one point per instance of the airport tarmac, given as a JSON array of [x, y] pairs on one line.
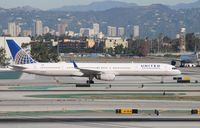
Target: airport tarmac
[[103, 125], [74, 104], [45, 97]]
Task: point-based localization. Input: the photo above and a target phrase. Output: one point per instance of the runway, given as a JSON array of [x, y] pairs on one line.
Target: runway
[[95, 119], [46, 105], [177, 124]]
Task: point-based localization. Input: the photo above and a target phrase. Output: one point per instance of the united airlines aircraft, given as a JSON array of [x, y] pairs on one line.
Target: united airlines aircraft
[[101, 71]]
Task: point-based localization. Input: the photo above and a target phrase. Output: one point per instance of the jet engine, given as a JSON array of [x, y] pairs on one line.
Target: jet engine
[[173, 62], [105, 77]]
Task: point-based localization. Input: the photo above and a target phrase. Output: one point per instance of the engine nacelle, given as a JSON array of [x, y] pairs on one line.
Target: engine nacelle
[[105, 77], [173, 62]]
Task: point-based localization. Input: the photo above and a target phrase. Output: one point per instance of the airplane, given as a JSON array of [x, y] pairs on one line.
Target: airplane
[[187, 58], [101, 71]]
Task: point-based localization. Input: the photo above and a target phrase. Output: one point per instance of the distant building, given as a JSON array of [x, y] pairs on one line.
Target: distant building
[[46, 30], [121, 32], [72, 43], [19, 30], [70, 33], [13, 29], [104, 27], [111, 31], [182, 39], [90, 43], [112, 42], [61, 28], [19, 40], [38, 27], [27, 33], [136, 31], [100, 35], [96, 28], [91, 32], [52, 32], [177, 36], [85, 31], [5, 32]]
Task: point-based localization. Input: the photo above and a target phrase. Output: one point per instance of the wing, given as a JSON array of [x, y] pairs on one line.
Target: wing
[[95, 73], [86, 72], [89, 72]]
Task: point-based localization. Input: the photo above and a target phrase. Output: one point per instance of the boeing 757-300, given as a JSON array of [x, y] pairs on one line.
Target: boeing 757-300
[[101, 71]]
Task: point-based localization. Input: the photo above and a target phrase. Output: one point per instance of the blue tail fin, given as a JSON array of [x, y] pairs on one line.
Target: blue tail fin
[[18, 54]]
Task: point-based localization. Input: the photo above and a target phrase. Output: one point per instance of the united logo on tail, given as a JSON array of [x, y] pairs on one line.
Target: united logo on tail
[[18, 54]]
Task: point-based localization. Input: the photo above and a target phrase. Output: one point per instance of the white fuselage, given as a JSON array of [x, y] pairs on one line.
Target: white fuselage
[[118, 69]]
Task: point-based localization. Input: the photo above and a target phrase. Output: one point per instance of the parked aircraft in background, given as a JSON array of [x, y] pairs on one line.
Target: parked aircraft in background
[[187, 60]]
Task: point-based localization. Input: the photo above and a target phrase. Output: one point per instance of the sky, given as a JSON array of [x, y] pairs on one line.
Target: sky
[[49, 4]]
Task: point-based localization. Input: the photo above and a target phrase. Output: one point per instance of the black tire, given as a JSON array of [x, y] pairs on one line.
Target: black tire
[[91, 82]]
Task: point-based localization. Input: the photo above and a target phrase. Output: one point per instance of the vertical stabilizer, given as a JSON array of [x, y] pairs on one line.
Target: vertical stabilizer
[[18, 54]]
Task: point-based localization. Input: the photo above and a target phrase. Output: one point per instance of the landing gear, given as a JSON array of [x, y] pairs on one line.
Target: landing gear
[[57, 81], [162, 80], [198, 64], [90, 81], [182, 64]]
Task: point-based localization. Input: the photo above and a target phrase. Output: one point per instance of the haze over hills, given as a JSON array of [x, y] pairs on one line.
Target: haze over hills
[[108, 4], [153, 19], [26, 9], [105, 5], [96, 6], [187, 5]]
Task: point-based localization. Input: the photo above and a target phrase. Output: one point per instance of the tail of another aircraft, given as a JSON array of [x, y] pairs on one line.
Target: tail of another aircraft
[[18, 54]]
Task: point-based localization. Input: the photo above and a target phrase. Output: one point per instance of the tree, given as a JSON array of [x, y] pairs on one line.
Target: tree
[[24, 45], [143, 49], [42, 54], [126, 50], [119, 49], [175, 45], [53, 56], [110, 51], [2, 56], [190, 42]]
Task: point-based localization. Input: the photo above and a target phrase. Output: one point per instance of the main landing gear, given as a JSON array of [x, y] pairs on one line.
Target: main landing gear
[[162, 80], [57, 81], [90, 81]]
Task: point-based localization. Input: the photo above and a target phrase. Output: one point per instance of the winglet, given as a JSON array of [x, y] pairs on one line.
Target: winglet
[[74, 63]]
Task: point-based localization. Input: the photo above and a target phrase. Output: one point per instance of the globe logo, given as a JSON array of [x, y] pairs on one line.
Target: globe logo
[[22, 58]]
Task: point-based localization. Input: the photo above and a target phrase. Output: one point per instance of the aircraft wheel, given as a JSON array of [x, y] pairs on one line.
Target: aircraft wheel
[[90, 82]]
